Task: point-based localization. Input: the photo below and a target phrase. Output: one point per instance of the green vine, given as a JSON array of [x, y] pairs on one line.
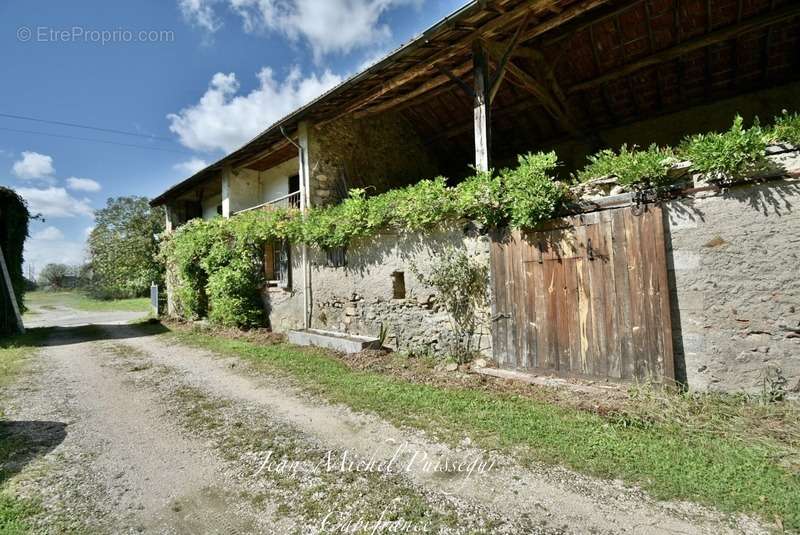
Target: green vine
[[215, 265], [14, 220]]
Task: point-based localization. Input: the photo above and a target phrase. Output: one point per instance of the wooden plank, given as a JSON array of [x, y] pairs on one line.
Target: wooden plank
[[517, 298], [665, 317], [632, 239], [650, 337], [623, 366], [540, 319], [563, 319], [597, 283], [551, 355], [582, 364], [499, 322], [610, 308], [573, 312], [658, 294]]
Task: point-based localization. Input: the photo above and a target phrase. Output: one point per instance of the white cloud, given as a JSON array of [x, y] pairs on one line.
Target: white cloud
[[190, 167], [201, 14], [329, 26], [34, 165], [39, 253], [88, 231], [83, 184], [48, 234], [55, 202], [223, 120]]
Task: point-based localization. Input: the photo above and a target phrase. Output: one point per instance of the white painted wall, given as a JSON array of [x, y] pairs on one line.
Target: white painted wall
[[243, 189], [210, 206], [275, 182], [247, 188]]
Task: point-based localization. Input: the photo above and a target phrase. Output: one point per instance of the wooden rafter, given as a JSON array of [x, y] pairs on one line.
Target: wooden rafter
[[724, 34], [431, 85], [500, 71], [464, 86], [465, 42], [260, 155], [543, 87]]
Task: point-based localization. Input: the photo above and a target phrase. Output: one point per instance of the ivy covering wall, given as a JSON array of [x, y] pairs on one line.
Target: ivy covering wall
[[216, 264], [14, 218]]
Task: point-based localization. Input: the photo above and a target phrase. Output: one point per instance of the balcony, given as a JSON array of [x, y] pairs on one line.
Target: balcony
[[286, 202]]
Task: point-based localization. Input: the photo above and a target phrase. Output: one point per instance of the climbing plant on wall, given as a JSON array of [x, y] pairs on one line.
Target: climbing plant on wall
[[14, 219], [216, 263]]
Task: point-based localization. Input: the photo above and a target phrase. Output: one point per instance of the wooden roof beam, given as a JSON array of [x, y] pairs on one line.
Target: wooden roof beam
[[260, 155], [500, 71], [484, 31], [724, 34]]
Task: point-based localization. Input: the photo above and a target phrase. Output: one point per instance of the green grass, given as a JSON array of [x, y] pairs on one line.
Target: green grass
[[670, 460], [80, 301], [14, 351], [15, 514]]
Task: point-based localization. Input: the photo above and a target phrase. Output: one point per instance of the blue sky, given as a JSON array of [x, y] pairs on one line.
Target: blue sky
[[198, 76]]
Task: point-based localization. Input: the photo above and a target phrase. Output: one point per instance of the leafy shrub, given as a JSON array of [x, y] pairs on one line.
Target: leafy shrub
[[14, 221], [786, 129], [736, 152], [233, 292], [531, 194], [480, 198], [631, 167], [461, 283]]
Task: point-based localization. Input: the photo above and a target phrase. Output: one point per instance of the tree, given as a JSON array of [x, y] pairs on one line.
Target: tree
[[123, 247], [54, 276]]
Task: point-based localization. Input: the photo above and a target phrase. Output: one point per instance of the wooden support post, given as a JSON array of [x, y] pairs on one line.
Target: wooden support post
[[482, 109]]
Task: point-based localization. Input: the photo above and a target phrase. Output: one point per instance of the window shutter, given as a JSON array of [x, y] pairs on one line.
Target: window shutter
[[285, 267]]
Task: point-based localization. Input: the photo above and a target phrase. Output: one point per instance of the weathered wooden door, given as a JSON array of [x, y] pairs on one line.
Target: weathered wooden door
[[588, 296]]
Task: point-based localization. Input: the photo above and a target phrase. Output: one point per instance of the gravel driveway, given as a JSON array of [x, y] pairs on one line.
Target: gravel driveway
[[124, 432]]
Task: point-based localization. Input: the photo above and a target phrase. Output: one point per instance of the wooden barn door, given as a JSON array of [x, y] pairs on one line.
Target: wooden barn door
[[588, 296]]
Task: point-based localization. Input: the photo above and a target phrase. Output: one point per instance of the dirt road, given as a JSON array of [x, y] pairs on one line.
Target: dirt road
[[126, 432]]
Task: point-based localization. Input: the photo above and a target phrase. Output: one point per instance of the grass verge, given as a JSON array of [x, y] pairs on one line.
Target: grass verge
[[667, 458], [15, 515], [80, 301], [14, 512]]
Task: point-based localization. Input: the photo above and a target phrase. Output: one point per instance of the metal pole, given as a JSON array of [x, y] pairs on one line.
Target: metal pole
[[302, 148]]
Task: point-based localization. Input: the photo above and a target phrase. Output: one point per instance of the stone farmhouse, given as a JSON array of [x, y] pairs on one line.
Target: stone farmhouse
[[703, 288]]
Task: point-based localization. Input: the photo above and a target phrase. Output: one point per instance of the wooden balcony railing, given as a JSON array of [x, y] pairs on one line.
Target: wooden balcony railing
[[291, 200]]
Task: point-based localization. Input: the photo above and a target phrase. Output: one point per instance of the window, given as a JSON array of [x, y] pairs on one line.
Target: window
[[277, 266], [336, 257], [294, 187], [398, 285]]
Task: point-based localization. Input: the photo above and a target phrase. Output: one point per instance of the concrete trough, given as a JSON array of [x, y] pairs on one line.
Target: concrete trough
[[345, 343]]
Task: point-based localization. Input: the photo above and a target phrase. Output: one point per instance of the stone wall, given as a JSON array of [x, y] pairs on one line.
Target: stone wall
[[734, 265], [381, 152], [359, 298]]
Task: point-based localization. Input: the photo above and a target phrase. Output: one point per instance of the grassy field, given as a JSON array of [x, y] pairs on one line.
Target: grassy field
[[725, 451], [14, 352], [80, 301]]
